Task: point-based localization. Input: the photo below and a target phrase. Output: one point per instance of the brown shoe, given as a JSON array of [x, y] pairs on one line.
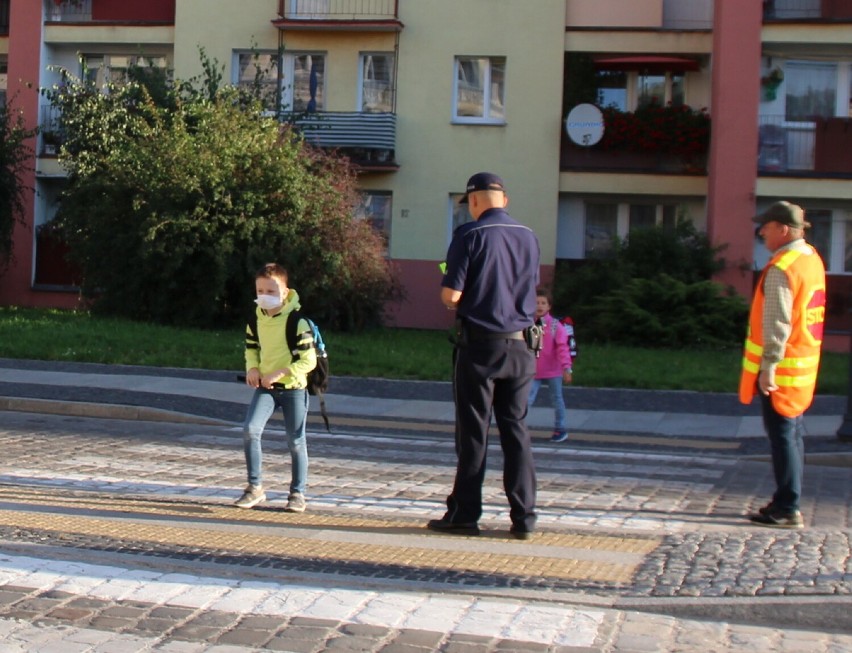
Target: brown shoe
[[776, 519]]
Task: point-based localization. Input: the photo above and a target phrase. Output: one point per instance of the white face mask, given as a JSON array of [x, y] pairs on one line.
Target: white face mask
[[268, 302]]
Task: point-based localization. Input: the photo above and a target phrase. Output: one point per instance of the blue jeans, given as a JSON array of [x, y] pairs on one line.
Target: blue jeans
[[294, 406], [555, 385], [788, 455]]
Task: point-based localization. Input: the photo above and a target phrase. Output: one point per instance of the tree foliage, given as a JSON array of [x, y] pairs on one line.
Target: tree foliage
[[655, 290], [177, 195], [15, 158]]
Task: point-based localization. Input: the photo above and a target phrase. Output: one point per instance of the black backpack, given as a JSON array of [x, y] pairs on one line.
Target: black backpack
[[319, 376]]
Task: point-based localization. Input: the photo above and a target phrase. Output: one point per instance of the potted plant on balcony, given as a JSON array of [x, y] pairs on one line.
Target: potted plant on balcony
[[770, 82], [677, 135], [51, 141]]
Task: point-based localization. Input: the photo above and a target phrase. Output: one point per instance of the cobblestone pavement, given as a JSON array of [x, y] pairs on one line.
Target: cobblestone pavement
[[119, 536]]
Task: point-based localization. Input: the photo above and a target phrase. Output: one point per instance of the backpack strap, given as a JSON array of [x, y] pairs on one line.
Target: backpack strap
[[290, 334], [290, 331]]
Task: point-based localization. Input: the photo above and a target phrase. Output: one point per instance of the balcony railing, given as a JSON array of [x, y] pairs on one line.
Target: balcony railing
[[338, 10], [688, 14], [50, 134], [367, 138], [821, 146], [73, 12]]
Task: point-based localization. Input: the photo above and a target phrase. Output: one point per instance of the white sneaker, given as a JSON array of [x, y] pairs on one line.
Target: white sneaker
[[295, 502], [252, 496]]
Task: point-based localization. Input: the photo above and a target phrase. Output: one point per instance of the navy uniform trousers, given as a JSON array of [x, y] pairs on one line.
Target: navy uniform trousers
[[493, 375]]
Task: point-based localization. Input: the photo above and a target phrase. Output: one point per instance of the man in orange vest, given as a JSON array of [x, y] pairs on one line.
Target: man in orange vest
[[782, 352]]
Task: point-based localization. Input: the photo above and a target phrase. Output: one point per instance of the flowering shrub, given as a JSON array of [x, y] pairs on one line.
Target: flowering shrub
[[674, 130]]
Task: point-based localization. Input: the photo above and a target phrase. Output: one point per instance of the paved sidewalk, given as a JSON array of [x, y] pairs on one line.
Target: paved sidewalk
[[117, 533]]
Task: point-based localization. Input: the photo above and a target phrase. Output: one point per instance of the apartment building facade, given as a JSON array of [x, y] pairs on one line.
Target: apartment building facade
[[422, 93]]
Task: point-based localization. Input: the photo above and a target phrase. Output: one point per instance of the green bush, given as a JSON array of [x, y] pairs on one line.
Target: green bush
[[15, 157], [655, 290], [172, 204]]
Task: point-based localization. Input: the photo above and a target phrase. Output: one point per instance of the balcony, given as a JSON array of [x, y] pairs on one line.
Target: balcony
[[818, 148], [344, 15], [653, 139], [110, 11], [50, 133], [368, 139], [807, 10]]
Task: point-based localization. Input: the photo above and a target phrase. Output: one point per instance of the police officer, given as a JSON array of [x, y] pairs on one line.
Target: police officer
[[492, 271]]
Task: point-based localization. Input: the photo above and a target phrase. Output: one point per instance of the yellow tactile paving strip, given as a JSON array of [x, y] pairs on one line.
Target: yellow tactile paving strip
[[300, 535]]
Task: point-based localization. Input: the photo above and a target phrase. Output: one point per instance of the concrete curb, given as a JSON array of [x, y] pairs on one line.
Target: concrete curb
[[104, 411]]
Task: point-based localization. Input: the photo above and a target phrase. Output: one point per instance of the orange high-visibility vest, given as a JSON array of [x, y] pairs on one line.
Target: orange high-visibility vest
[[796, 374]]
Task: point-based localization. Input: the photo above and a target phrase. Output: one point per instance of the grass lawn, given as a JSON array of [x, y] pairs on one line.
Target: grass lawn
[[46, 334]]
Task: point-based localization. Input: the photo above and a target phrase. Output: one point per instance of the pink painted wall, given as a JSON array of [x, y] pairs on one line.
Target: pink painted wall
[[25, 23], [733, 149], [149, 10]]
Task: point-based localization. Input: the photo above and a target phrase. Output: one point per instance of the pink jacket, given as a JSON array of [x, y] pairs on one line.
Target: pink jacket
[[555, 355]]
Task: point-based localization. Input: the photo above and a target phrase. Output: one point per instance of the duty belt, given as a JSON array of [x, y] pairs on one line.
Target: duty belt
[[478, 334]]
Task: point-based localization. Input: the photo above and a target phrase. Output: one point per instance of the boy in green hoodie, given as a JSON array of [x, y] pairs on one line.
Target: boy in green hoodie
[[280, 381]]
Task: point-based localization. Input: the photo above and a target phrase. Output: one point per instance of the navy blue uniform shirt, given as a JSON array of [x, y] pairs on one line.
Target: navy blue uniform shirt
[[494, 262]]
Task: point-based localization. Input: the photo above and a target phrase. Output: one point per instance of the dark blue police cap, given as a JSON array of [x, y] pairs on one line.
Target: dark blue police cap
[[482, 181]]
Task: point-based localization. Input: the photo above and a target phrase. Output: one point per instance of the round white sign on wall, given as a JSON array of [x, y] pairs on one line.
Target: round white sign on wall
[[585, 125]]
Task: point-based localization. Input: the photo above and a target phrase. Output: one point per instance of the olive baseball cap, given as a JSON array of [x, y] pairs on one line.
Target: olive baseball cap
[[482, 181], [792, 215]]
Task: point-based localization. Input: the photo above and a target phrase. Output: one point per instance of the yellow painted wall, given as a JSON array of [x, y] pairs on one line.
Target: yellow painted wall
[[436, 157], [622, 13], [221, 26]]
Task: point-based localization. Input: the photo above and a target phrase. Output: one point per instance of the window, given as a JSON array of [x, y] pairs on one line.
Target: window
[[642, 216], [103, 69], [258, 72], [479, 92], [660, 89], [4, 75], [604, 221], [810, 90], [601, 227], [819, 235], [460, 214], [376, 208], [302, 83], [612, 89], [377, 83]]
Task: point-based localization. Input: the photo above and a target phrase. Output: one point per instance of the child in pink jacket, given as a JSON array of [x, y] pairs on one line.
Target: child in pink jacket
[[554, 366]]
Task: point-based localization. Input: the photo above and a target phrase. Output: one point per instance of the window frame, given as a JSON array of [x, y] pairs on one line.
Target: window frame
[[100, 78], [633, 86], [362, 213], [273, 83], [285, 75], [362, 80], [486, 118]]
